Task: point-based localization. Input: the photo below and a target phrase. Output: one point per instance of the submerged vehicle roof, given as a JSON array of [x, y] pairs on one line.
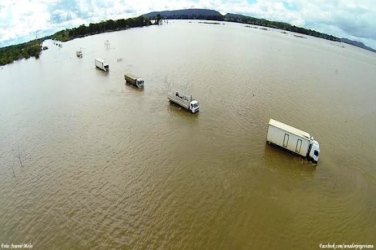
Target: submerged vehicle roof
[[289, 128], [132, 76], [99, 60]]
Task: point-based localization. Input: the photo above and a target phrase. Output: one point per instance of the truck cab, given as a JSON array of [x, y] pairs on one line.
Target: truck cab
[[315, 151], [194, 106], [140, 83]]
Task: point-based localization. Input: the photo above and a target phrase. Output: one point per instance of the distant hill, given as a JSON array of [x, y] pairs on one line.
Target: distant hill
[[206, 14], [186, 14], [277, 25], [357, 44]]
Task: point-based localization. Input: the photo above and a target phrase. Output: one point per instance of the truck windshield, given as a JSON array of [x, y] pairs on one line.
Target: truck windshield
[[316, 153], [195, 105]]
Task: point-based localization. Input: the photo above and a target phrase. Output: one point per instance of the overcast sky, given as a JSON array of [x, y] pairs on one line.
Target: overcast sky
[[22, 20]]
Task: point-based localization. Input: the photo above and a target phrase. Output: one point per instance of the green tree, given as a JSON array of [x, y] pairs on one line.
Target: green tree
[[158, 19]]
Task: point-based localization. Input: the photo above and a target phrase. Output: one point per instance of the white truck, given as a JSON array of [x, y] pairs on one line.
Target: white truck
[[293, 139], [130, 79], [100, 64], [184, 101], [79, 53]]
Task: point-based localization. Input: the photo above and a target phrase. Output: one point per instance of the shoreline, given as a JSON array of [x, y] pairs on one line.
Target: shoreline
[[34, 47]]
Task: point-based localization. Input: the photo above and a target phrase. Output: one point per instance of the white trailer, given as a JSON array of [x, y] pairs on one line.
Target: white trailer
[[184, 101], [100, 64], [130, 79], [293, 139]]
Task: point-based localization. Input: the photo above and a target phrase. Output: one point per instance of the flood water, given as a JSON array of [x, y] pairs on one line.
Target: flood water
[[87, 162]]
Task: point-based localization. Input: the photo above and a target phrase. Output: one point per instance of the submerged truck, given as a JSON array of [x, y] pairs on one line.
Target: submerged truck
[[79, 53], [130, 79], [293, 139], [100, 64], [184, 101]]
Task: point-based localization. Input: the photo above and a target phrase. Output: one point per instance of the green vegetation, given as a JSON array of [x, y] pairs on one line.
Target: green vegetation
[[158, 19], [96, 28], [33, 48], [199, 14], [277, 25], [204, 14], [24, 50]]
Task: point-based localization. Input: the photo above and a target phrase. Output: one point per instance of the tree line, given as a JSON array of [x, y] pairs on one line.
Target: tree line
[[33, 48], [15, 52], [96, 28], [277, 25], [203, 14]]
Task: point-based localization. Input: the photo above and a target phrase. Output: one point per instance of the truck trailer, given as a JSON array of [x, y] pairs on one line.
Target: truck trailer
[[184, 101], [100, 64], [293, 139], [130, 79]]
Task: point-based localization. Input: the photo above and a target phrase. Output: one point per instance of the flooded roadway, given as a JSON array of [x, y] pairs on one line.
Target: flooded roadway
[[89, 162]]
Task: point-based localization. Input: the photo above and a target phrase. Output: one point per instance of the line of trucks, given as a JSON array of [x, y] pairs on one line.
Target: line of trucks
[[280, 134], [185, 101]]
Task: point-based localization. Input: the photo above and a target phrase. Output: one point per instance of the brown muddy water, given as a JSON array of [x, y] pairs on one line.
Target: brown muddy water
[[101, 165]]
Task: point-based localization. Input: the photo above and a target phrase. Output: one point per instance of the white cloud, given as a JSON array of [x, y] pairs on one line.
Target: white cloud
[[20, 18], [344, 18]]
